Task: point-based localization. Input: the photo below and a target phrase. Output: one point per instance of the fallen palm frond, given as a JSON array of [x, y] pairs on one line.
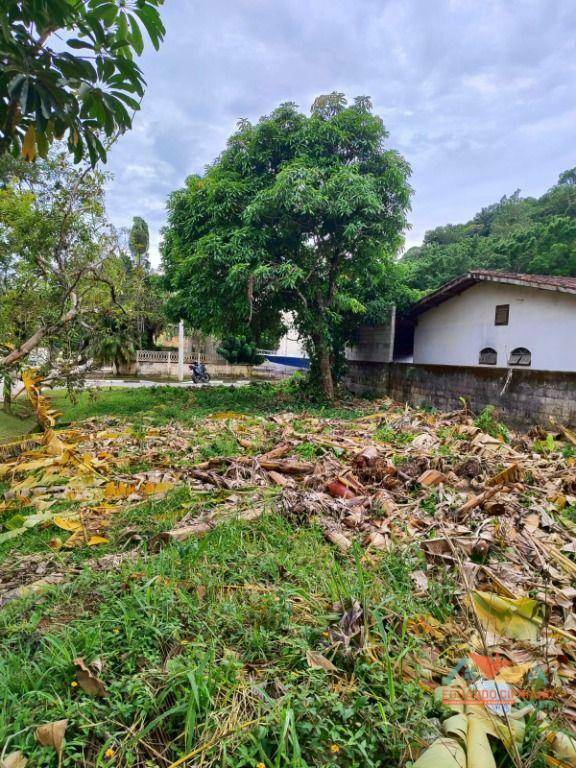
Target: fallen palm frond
[[45, 414], [14, 448]]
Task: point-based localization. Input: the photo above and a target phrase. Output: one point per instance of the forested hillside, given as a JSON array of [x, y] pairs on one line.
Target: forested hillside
[[519, 234]]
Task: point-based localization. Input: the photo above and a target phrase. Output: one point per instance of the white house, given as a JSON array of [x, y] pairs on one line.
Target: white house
[[498, 319]]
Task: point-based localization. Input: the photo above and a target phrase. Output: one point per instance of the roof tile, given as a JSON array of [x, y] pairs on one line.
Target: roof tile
[[468, 279]]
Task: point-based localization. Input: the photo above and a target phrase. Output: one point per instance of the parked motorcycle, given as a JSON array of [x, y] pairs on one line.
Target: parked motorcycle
[[199, 373]]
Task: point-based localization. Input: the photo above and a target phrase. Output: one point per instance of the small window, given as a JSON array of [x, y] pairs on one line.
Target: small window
[[488, 356], [520, 356], [502, 314]]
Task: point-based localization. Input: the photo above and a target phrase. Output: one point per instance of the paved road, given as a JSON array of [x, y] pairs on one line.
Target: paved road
[[139, 383]]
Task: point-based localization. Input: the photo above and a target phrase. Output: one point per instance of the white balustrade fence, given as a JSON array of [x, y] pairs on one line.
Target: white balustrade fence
[[165, 356]]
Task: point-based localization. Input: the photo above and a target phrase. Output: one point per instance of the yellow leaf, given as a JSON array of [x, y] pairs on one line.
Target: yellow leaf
[[514, 674], [108, 434], [119, 490], [30, 466], [148, 488], [478, 747], [75, 540], [45, 414], [564, 747], [564, 562], [67, 523], [94, 541], [27, 484], [506, 617], [29, 150], [443, 753], [511, 474]]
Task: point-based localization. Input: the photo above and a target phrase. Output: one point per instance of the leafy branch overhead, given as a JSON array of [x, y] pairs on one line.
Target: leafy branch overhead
[[68, 70]]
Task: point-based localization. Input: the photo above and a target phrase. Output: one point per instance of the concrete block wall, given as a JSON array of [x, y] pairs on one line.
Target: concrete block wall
[[374, 343], [523, 397]]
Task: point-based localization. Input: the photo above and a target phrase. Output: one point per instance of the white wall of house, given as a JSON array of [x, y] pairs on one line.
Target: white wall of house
[[454, 332], [290, 345]]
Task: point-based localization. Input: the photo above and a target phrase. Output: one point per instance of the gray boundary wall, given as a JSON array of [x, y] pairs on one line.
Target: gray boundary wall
[[523, 397]]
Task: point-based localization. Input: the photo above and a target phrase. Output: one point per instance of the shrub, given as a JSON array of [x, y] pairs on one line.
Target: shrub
[[237, 349]]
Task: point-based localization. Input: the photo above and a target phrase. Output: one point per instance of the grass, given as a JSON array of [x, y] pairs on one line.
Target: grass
[[208, 635], [158, 405], [15, 426]]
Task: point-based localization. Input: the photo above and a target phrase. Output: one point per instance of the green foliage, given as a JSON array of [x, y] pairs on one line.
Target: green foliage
[[208, 635], [546, 446], [159, 405], [56, 249], [139, 240], [65, 283], [237, 349], [487, 423], [84, 85], [569, 451], [115, 340], [309, 451], [388, 434], [534, 236], [224, 445], [299, 214]]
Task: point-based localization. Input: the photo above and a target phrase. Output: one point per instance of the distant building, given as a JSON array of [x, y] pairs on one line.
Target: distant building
[[495, 319]]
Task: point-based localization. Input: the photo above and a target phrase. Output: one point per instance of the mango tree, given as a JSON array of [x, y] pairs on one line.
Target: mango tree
[[299, 214]]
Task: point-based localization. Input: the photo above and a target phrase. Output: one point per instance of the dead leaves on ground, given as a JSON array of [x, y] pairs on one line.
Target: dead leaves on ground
[[87, 678], [52, 735], [481, 508], [484, 510], [14, 760]]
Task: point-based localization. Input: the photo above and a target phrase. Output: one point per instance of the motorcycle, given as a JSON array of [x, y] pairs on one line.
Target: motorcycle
[[199, 373]]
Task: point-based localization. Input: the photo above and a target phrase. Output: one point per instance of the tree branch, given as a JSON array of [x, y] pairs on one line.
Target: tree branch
[[33, 341]]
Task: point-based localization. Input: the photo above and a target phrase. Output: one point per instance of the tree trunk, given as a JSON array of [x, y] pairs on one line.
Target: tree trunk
[[324, 363], [7, 385], [326, 373]]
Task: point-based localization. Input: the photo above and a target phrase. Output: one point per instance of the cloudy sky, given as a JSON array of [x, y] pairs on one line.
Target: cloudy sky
[[479, 95]]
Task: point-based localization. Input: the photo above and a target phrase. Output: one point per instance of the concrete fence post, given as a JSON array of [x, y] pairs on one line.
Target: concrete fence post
[[181, 350]]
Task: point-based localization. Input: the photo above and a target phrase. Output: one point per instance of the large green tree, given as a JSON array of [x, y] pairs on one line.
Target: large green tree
[[68, 69], [299, 213]]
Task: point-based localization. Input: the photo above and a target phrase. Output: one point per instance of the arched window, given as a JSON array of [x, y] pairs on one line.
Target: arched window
[[488, 356], [520, 356]]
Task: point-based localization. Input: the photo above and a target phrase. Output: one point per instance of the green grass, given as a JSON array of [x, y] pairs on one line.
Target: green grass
[[159, 405], [208, 635], [13, 427]]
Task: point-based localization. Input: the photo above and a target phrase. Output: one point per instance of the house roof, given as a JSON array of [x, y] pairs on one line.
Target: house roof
[[462, 283]]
